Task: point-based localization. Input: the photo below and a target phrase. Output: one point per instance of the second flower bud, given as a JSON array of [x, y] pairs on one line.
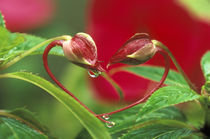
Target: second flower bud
[[137, 50]]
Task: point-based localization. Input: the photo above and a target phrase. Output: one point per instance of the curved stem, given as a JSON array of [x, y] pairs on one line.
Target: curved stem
[[167, 67], [47, 49], [45, 54], [162, 46]]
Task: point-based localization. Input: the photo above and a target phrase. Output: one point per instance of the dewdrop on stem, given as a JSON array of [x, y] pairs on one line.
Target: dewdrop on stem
[[106, 116], [110, 124], [93, 73]]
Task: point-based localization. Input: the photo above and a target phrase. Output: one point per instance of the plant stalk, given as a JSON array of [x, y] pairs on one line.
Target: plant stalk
[[179, 68]]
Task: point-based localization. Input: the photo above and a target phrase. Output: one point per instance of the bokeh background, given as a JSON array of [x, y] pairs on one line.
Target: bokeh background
[[111, 23], [66, 17]]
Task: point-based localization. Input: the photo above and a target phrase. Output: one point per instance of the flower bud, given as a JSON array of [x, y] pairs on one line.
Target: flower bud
[[81, 50], [137, 50]]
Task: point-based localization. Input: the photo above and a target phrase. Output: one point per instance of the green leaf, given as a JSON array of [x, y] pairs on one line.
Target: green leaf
[[7, 42], [15, 46], [127, 119], [13, 126], [196, 136], [205, 65], [155, 73], [199, 9], [167, 96], [2, 21], [88, 120], [207, 86], [30, 118], [194, 113], [159, 130], [31, 41]]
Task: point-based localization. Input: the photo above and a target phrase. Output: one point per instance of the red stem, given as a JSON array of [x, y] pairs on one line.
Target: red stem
[[45, 54], [60, 43], [167, 67]]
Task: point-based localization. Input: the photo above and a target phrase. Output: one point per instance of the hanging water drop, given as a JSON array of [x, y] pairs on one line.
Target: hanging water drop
[[110, 125], [106, 117], [94, 74]]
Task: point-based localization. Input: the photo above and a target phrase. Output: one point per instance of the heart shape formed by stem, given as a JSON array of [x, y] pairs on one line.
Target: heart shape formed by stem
[[81, 50]]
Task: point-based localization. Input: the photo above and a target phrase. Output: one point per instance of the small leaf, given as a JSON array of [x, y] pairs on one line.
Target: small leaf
[[155, 73], [87, 119], [199, 9], [15, 46], [194, 113], [13, 126], [31, 41], [205, 65], [207, 86], [159, 130], [127, 119], [8, 41], [2, 21], [29, 117], [167, 96]]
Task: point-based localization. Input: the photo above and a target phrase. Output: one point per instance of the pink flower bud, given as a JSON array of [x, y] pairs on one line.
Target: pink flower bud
[[81, 50], [137, 50]]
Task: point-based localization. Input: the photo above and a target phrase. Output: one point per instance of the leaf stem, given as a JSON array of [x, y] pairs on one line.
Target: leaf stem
[[179, 68], [116, 86], [33, 49], [167, 67]]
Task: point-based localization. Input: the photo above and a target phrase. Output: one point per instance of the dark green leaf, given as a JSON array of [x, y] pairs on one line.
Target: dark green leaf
[[83, 135], [88, 120], [167, 96], [2, 21], [31, 118], [155, 73], [159, 131], [127, 119], [196, 136], [13, 126], [124, 120]]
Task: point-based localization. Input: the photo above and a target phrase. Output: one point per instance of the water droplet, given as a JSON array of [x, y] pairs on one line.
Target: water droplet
[[110, 125], [106, 117], [93, 73]]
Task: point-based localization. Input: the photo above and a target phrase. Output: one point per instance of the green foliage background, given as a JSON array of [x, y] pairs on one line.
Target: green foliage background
[[157, 118], [15, 93]]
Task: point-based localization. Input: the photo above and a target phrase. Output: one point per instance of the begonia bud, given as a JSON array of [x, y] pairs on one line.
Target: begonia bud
[[137, 50]]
